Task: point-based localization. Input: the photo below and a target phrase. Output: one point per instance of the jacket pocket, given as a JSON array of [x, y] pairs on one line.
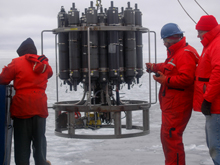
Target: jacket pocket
[[170, 69]]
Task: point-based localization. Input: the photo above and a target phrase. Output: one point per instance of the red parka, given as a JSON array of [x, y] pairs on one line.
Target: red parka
[[207, 83], [179, 68], [30, 81]]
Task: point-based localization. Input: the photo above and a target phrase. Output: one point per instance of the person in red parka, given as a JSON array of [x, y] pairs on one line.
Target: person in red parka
[[207, 83], [29, 73], [176, 76]]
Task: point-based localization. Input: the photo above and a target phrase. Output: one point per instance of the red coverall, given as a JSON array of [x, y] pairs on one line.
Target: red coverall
[[176, 98]]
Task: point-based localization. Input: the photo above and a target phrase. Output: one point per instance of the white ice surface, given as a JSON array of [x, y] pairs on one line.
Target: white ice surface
[[143, 150]]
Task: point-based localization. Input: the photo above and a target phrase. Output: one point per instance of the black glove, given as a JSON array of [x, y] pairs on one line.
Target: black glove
[[206, 107]]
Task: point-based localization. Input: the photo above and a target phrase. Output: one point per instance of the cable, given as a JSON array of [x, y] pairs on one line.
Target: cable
[[186, 12], [201, 7]]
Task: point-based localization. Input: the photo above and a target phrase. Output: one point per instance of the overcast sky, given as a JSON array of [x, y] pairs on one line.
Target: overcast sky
[[28, 18]]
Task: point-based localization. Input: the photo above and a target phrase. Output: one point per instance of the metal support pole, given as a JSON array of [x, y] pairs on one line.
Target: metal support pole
[[129, 120], [42, 52], [117, 123], [146, 121], [155, 61], [42, 44], [57, 113], [149, 56], [89, 67], [56, 68], [71, 123]]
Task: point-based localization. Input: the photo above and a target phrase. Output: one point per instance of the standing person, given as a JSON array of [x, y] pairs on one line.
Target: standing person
[[176, 76], [207, 83], [29, 105]]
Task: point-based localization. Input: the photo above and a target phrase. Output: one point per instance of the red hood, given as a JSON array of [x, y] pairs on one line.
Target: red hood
[[210, 36], [174, 48], [38, 66]]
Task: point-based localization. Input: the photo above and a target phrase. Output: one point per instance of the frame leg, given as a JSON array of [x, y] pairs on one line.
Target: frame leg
[[146, 121], [117, 123], [129, 120], [71, 123]]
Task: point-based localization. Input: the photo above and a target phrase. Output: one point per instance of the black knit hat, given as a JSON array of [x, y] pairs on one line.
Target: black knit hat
[[27, 47]]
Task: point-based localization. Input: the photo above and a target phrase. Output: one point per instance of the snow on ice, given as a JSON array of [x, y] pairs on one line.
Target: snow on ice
[[143, 150]]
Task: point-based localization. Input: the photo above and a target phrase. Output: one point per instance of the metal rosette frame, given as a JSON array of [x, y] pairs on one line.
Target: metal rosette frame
[[129, 105]]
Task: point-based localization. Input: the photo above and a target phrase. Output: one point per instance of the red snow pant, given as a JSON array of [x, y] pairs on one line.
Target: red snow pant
[[174, 122]]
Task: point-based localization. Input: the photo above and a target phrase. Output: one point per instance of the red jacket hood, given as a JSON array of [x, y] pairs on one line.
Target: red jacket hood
[[174, 48], [210, 36], [38, 66]]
